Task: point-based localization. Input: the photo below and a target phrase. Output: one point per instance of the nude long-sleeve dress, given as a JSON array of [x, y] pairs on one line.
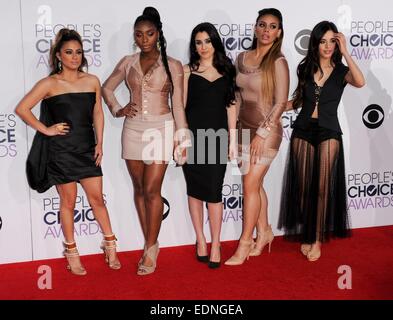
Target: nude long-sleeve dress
[[149, 135], [255, 115]]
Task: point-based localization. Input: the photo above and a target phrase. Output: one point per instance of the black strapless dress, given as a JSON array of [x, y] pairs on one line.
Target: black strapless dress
[[207, 160], [62, 159]]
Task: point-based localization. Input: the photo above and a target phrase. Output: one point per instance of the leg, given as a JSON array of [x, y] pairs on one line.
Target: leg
[[136, 170], [67, 193], [196, 211], [215, 218], [264, 231], [254, 205], [303, 152], [262, 222], [252, 183], [93, 190], [327, 154], [152, 182]]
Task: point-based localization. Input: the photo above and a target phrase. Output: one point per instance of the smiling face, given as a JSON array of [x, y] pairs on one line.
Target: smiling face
[[267, 29], [146, 36], [327, 45], [70, 55], [204, 46]]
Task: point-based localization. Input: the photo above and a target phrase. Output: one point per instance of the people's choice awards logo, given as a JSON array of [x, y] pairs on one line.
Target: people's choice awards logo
[[45, 32], [301, 41], [236, 38], [84, 221], [7, 135], [370, 190], [372, 40], [373, 116], [232, 198]]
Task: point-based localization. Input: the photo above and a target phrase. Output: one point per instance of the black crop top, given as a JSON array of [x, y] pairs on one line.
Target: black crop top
[[328, 98]]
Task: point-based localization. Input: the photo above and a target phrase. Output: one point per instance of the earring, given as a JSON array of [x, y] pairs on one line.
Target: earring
[[134, 46], [59, 66], [158, 45]]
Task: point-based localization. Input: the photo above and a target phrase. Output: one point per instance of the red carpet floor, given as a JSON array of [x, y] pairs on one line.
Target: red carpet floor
[[283, 274]]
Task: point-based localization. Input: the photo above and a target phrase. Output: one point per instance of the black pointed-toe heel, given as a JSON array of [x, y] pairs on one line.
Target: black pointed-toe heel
[[214, 264], [204, 259]]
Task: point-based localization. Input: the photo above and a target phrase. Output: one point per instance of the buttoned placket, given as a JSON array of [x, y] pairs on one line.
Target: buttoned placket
[[144, 93]]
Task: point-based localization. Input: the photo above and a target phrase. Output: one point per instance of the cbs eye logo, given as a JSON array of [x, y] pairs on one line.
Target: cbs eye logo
[[373, 116], [301, 41], [166, 208]]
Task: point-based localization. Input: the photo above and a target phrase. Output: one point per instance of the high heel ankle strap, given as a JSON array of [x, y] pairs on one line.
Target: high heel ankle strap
[[69, 245], [246, 242], [110, 237]]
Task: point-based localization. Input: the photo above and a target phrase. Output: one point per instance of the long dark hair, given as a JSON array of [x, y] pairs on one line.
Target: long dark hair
[[267, 63], [221, 62], [64, 35], [151, 14], [310, 63]]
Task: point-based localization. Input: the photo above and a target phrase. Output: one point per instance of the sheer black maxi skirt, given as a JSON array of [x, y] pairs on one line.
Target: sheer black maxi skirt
[[313, 201]]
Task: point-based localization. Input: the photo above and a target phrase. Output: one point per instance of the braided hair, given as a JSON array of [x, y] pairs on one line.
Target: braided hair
[[151, 14]]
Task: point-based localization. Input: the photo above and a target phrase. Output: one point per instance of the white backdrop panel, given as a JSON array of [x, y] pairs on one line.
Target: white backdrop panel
[[15, 229], [106, 28]]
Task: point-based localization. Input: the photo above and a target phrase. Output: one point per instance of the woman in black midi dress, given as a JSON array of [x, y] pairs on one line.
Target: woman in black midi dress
[[210, 111], [67, 147]]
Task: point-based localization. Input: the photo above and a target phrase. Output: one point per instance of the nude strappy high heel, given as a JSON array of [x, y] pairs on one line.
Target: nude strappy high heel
[[314, 254], [263, 238], [143, 255], [152, 253], [108, 245], [244, 248], [72, 255]]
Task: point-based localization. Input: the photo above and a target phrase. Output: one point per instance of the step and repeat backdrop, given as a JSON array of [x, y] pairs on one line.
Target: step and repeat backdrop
[[30, 222]]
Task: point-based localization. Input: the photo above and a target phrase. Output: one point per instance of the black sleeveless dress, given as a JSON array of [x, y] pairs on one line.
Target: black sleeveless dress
[[62, 159], [207, 119]]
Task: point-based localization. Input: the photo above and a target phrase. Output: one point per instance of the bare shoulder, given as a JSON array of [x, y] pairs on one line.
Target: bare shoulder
[[90, 79], [281, 61], [46, 83]]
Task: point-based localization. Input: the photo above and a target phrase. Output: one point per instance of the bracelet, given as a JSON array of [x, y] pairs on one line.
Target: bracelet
[[263, 132]]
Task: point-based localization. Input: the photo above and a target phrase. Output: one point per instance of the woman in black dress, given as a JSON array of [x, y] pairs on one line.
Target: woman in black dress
[[67, 147], [313, 206], [209, 87]]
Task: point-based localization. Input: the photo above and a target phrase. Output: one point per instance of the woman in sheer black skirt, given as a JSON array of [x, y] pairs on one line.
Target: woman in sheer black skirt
[[313, 205]]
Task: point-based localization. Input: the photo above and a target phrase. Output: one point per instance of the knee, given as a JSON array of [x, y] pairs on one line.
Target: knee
[[138, 188], [96, 201], [67, 203], [252, 185], [151, 192]]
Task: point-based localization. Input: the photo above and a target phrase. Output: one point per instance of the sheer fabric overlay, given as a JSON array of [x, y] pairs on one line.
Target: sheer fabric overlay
[[313, 204]]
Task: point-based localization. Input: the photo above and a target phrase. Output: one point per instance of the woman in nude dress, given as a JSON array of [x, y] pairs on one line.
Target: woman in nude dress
[[152, 78], [263, 81]]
